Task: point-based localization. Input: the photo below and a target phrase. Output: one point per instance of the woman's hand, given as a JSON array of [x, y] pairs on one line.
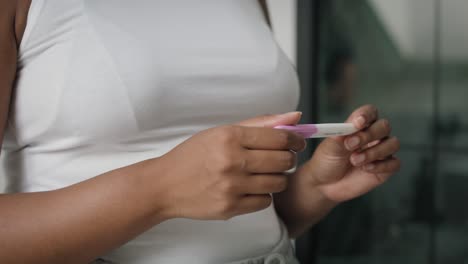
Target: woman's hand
[[342, 168], [347, 167], [230, 170]]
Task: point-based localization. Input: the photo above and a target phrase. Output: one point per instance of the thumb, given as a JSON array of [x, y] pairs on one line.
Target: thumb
[[290, 118]]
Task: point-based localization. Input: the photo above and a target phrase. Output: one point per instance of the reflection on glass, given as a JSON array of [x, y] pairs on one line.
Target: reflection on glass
[[452, 226], [451, 234], [454, 73], [370, 52], [410, 58], [340, 79]]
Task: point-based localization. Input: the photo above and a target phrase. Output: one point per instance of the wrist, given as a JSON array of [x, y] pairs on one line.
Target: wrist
[[303, 204], [154, 193], [316, 185], [327, 202]]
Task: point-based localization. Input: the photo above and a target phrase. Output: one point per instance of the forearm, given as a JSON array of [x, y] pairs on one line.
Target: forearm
[[78, 223], [302, 205]]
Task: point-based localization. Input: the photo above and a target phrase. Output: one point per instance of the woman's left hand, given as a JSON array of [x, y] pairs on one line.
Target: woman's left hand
[[347, 167]]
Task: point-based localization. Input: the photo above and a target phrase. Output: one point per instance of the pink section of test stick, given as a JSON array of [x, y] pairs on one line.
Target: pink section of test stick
[[304, 130]]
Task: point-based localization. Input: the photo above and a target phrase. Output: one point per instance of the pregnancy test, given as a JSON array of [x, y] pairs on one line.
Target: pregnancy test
[[321, 130]]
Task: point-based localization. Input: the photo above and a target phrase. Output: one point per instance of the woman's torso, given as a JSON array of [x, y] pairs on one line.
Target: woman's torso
[[104, 84]]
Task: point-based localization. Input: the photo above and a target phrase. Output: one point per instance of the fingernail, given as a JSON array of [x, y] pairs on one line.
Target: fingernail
[[352, 142], [358, 159], [289, 115], [360, 121], [292, 113], [369, 167]]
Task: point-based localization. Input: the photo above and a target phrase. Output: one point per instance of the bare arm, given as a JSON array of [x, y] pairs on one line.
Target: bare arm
[[302, 205], [74, 224], [78, 223], [7, 59]]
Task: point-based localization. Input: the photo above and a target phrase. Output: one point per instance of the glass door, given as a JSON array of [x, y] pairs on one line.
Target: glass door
[[410, 59]]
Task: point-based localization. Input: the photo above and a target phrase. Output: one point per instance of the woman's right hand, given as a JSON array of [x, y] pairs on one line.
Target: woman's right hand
[[230, 170]]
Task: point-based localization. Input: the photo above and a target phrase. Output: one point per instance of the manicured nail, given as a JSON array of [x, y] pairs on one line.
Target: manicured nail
[[293, 113], [358, 159], [290, 115], [353, 142], [369, 167], [360, 121]]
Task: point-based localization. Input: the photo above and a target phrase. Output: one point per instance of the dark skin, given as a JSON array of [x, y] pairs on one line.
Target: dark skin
[[232, 171], [34, 221]]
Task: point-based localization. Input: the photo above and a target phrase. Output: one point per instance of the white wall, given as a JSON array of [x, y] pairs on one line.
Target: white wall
[[455, 30], [411, 25], [409, 22], [395, 15]]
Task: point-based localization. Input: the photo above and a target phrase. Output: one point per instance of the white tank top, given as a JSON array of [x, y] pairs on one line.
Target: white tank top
[[103, 84]]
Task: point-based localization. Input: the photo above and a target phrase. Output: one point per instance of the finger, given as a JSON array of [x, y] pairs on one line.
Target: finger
[[381, 151], [376, 131], [291, 118], [271, 139], [253, 203], [273, 161], [390, 165], [266, 183], [364, 116]]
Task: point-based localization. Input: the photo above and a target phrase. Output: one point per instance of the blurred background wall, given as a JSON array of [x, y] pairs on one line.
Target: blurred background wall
[[410, 58]]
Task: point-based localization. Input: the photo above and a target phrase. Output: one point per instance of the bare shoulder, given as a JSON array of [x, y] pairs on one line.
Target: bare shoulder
[[11, 30], [7, 13], [7, 29], [13, 18]]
